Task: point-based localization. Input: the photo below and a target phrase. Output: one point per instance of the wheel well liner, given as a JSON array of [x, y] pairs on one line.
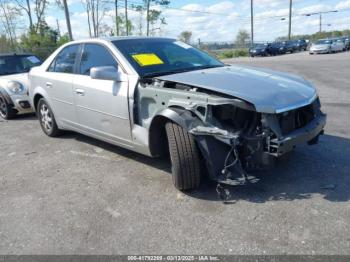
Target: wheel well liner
[[157, 135], [37, 97], [5, 95]]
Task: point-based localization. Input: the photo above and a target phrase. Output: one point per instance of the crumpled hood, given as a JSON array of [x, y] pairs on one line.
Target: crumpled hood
[[22, 78], [267, 90]]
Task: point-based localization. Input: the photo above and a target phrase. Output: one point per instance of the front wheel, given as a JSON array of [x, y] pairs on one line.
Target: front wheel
[[6, 111], [184, 156], [47, 119]]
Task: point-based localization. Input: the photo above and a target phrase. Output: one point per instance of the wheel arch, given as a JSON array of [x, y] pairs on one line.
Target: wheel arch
[[36, 99], [6, 95], [157, 135]]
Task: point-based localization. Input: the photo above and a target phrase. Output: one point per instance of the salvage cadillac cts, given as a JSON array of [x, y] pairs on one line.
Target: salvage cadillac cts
[[160, 96]]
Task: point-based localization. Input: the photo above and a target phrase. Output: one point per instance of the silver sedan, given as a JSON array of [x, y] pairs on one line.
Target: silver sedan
[[160, 96]]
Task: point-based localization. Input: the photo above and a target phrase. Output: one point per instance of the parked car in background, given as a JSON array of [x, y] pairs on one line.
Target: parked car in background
[[322, 46], [289, 46], [293, 45], [276, 48], [301, 44], [337, 45], [259, 50], [160, 96], [347, 42], [14, 83]]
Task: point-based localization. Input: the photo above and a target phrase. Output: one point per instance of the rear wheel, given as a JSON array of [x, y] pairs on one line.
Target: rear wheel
[[47, 119], [6, 111], [184, 155]]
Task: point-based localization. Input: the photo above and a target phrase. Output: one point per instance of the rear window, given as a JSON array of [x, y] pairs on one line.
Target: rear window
[[16, 64], [323, 42]]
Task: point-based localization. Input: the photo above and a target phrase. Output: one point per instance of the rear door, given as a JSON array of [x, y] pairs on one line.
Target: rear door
[[58, 82], [102, 105]]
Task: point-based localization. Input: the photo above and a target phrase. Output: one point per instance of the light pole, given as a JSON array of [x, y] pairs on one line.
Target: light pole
[[290, 19], [320, 14], [251, 24]]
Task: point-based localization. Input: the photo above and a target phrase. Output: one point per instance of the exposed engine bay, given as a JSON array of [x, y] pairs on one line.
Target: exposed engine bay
[[231, 135]]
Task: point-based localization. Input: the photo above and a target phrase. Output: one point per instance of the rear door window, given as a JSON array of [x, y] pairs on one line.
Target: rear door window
[[65, 60]]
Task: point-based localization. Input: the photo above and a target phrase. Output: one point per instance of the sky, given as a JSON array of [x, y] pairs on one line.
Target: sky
[[220, 20]]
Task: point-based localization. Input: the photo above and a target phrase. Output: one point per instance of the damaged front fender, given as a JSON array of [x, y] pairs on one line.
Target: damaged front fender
[[231, 135]]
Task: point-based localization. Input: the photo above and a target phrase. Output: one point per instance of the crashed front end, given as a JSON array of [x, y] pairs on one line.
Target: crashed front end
[[231, 134], [242, 139]]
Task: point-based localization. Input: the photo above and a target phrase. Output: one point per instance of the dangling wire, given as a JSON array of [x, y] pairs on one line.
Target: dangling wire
[[226, 166], [235, 161]]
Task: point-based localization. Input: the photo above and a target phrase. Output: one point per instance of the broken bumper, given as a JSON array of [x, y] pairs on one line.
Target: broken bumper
[[299, 136], [21, 104]]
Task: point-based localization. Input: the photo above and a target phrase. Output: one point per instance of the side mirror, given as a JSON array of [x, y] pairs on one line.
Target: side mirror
[[106, 73]]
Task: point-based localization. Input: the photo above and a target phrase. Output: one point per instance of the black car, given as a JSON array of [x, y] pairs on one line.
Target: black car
[[301, 44], [298, 45], [289, 46], [259, 50], [276, 48]]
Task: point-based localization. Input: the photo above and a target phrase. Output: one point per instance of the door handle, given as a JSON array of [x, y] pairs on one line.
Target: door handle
[[80, 92], [48, 84]]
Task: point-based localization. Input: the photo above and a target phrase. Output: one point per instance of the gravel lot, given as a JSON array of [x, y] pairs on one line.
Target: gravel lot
[[76, 195]]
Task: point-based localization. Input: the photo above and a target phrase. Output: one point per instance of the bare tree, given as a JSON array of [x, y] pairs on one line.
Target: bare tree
[[8, 19], [242, 38], [185, 36], [66, 12], [35, 10], [39, 11], [25, 6], [116, 17], [154, 15], [95, 11], [63, 5]]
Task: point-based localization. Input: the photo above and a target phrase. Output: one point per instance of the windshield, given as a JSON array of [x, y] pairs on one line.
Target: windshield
[[323, 42], [15, 64], [260, 46], [277, 44], [152, 57]]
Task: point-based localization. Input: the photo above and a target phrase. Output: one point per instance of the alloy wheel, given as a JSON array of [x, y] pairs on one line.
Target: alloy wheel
[[46, 118], [3, 108]]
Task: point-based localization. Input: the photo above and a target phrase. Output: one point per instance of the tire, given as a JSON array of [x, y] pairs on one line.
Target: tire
[[47, 119], [6, 111], [184, 156]]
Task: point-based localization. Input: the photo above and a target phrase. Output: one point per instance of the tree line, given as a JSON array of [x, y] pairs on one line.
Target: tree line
[[41, 39]]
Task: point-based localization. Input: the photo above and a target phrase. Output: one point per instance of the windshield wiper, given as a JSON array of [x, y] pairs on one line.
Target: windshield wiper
[[188, 69]]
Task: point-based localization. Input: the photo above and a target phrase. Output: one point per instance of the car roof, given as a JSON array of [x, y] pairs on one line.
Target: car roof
[[116, 38]]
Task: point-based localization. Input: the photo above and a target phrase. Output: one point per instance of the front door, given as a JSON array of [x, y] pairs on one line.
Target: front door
[[102, 105], [58, 82]]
